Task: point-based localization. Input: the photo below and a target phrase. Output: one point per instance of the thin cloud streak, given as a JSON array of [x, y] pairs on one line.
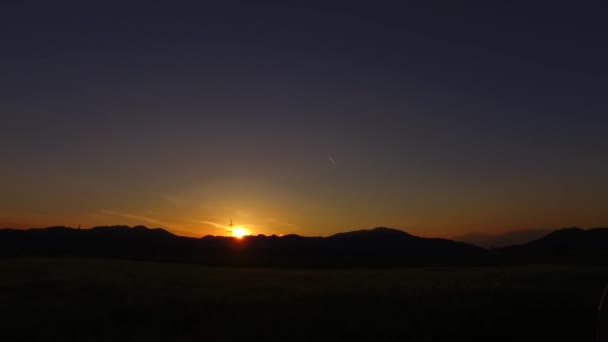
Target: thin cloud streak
[[214, 224]]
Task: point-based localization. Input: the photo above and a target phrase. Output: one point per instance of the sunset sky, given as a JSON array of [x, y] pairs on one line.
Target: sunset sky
[[303, 117]]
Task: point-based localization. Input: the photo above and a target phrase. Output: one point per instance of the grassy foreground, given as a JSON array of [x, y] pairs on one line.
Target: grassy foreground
[[116, 300]]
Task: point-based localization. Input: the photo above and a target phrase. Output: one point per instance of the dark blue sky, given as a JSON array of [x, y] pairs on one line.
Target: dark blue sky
[[439, 118]]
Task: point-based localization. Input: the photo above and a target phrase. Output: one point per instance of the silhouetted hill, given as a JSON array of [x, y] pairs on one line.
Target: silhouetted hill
[[374, 247], [378, 247], [99, 241], [386, 241], [489, 241], [134, 230], [563, 245], [380, 233]]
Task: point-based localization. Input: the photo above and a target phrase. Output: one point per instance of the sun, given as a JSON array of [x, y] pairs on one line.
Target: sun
[[239, 232]]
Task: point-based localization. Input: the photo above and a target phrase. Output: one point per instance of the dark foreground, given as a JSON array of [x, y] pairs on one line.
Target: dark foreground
[[114, 300]]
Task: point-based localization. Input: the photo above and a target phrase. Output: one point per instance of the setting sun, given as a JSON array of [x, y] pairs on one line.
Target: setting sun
[[239, 232]]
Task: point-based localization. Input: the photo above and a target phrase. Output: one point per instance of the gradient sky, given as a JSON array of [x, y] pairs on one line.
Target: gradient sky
[[304, 117]]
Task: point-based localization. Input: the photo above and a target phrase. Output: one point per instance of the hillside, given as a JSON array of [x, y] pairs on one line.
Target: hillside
[[378, 247], [491, 241], [563, 245]]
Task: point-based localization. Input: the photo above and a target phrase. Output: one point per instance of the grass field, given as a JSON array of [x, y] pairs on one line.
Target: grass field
[[115, 300]]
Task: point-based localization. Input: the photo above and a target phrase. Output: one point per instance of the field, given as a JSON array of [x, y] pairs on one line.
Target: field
[[116, 300]]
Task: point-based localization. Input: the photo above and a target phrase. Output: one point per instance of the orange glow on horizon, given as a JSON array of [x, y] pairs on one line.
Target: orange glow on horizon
[[239, 233]]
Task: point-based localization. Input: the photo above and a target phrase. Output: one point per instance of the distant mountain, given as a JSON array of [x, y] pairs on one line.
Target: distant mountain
[[375, 247], [386, 240], [380, 233], [563, 245], [490, 241], [112, 241], [378, 247]]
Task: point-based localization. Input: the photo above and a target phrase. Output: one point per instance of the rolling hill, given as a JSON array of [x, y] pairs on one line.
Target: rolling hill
[[491, 241], [378, 247], [563, 245]]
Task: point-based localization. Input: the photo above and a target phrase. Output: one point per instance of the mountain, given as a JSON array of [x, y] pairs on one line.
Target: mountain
[[379, 233], [375, 247], [491, 241], [563, 245], [383, 240], [112, 241]]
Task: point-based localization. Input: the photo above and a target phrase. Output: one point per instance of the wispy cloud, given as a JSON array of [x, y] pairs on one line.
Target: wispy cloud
[[221, 227], [214, 224]]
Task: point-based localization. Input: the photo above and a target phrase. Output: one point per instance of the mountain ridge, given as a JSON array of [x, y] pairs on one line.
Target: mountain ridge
[[563, 245], [491, 241], [377, 247]]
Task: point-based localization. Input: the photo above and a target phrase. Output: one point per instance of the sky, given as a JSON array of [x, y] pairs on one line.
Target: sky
[[304, 117]]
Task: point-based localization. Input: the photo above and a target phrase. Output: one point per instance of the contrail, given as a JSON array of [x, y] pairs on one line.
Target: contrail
[[332, 160]]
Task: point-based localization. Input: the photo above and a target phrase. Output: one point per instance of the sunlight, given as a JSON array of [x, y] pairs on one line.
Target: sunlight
[[239, 232]]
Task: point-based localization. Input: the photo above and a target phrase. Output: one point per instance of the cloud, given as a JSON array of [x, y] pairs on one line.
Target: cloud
[[214, 224], [223, 227]]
